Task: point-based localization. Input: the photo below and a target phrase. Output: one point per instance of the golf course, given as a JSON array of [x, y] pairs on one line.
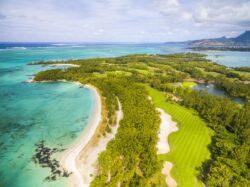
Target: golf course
[[188, 146], [192, 158]]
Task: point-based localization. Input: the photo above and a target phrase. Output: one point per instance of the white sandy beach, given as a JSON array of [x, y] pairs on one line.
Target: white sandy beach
[[167, 126], [87, 160], [70, 65], [81, 157], [72, 158], [69, 157]]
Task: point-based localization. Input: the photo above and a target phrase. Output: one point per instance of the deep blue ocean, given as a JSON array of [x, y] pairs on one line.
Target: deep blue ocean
[[56, 112]]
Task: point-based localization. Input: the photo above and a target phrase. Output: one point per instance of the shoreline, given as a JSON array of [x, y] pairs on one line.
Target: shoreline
[[69, 157], [87, 142], [61, 64], [87, 159], [167, 126], [82, 156]]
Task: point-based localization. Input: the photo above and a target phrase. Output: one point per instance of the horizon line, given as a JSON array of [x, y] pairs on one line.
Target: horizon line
[[81, 42]]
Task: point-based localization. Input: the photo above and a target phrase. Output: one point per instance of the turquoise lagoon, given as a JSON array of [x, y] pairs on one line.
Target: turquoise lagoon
[[229, 58], [54, 112]]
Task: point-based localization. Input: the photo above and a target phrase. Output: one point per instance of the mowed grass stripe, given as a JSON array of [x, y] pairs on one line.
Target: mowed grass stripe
[[188, 146]]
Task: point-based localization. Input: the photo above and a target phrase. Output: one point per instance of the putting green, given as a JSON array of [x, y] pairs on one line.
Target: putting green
[[188, 146]]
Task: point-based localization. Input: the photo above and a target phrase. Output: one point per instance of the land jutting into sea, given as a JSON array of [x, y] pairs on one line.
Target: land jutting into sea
[[239, 43], [151, 128]]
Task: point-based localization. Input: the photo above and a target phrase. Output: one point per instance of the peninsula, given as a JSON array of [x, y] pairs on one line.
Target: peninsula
[[126, 144]]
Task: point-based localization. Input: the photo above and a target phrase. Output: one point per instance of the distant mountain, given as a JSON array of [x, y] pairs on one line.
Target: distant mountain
[[211, 42], [243, 38], [241, 42]]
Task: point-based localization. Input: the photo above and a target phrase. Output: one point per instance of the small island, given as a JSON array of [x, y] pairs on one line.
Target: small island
[[136, 95]]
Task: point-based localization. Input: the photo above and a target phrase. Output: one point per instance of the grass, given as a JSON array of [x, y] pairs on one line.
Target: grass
[[188, 146], [212, 73], [142, 71], [244, 74], [101, 75], [188, 84], [241, 72]]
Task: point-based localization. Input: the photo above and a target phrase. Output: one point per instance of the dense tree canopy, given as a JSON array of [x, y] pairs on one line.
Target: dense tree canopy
[[130, 159]]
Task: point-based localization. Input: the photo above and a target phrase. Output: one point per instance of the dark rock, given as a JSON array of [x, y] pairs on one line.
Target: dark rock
[[43, 158]]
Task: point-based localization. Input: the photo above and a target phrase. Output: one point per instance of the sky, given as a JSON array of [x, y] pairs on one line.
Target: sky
[[121, 20]]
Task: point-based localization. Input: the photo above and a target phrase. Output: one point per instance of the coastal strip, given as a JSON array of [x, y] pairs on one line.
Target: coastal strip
[[61, 64], [87, 160], [89, 143], [81, 158], [69, 157], [167, 126]]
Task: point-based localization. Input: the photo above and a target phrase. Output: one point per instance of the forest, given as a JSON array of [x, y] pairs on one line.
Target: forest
[[131, 159], [230, 144]]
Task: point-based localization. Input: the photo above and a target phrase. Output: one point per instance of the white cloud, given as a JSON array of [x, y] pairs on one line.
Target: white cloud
[[217, 12], [121, 20]]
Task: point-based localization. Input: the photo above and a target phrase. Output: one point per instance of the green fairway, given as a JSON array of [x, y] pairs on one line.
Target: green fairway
[[188, 146]]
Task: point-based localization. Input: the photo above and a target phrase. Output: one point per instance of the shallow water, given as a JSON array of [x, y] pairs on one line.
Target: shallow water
[[54, 112], [229, 58]]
